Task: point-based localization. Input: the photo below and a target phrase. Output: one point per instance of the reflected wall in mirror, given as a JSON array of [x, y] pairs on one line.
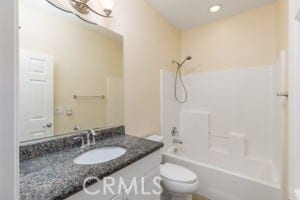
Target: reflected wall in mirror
[[70, 73]]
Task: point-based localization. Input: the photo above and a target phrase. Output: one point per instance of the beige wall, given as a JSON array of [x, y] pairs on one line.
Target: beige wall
[[150, 43], [245, 40], [83, 59], [283, 26]]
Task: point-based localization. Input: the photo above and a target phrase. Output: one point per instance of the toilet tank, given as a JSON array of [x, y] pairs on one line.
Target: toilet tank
[[156, 138]]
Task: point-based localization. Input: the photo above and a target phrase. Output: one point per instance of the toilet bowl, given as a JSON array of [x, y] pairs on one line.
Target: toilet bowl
[[178, 183]]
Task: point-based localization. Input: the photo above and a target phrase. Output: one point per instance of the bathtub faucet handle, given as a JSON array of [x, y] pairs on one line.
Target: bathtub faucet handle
[[174, 132]]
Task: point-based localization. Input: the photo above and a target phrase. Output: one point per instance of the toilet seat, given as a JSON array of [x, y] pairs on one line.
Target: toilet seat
[[177, 173]]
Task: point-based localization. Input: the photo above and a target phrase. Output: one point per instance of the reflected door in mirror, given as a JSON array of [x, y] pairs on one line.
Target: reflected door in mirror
[[35, 95]]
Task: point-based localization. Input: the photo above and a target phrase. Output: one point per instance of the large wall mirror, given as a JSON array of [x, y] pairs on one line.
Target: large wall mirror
[[70, 73]]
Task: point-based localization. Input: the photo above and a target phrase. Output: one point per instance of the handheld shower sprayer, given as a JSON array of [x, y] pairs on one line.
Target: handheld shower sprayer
[[178, 75], [181, 64]]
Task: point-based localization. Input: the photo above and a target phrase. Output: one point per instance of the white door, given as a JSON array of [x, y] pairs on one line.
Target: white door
[[36, 95]]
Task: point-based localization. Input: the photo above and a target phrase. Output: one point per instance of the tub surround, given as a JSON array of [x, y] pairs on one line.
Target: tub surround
[[51, 173], [229, 131]]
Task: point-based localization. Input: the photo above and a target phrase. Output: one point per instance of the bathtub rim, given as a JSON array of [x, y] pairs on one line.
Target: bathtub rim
[[266, 183]]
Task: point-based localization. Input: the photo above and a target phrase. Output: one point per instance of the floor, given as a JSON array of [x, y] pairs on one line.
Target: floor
[[197, 197]]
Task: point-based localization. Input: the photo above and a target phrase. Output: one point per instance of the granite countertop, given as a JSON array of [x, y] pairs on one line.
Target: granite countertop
[[55, 176]]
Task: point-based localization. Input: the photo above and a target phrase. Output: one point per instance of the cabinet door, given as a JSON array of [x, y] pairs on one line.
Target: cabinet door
[[149, 190], [119, 197]]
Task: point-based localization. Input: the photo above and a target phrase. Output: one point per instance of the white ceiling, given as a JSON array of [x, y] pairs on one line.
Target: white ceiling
[[186, 14]]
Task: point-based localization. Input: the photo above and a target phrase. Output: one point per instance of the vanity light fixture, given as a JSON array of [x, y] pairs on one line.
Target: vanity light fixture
[[215, 8], [82, 7]]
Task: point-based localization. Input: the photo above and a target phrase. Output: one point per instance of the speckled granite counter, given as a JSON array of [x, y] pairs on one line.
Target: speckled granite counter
[[55, 176]]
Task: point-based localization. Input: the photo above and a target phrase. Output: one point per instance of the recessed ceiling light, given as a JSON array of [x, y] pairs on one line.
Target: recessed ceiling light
[[215, 8]]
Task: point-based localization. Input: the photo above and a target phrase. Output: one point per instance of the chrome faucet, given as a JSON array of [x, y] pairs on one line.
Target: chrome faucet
[[93, 134], [177, 141], [89, 141]]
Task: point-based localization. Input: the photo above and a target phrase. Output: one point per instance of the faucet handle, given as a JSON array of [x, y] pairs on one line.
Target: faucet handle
[[77, 128], [174, 132], [82, 141]]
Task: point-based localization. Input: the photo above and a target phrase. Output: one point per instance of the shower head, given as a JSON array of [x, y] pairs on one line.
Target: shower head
[[189, 58], [180, 64]]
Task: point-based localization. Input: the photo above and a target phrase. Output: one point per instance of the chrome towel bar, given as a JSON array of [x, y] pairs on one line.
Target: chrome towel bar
[[82, 96], [282, 94]]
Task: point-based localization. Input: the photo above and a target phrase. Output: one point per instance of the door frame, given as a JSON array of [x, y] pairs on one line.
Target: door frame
[[9, 143], [294, 106]]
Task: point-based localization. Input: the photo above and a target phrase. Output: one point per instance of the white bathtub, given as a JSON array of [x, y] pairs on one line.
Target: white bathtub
[[246, 179]]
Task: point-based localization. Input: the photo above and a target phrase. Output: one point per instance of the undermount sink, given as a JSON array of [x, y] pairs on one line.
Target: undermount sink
[[99, 155]]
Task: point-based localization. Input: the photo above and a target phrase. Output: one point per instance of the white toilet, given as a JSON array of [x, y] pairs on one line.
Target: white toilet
[[179, 183]]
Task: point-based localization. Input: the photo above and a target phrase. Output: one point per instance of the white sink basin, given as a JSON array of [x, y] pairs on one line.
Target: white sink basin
[[100, 155]]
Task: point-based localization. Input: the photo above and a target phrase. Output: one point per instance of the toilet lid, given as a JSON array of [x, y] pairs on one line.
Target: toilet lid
[[177, 173]]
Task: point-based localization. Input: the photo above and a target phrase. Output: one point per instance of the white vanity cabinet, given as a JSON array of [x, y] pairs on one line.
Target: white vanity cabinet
[[147, 185], [119, 197], [145, 171]]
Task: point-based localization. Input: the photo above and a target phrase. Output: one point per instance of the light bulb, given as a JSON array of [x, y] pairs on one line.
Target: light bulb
[[108, 4], [215, 8]]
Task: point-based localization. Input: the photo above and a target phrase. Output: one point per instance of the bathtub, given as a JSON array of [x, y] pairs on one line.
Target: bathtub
[[222, 179]]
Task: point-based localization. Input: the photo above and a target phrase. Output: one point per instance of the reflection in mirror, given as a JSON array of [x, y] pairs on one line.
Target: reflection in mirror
[[70, 73]]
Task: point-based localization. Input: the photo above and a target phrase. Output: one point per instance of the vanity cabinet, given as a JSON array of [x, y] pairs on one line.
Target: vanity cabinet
[[144, 171], [148, 185], [119, 197]]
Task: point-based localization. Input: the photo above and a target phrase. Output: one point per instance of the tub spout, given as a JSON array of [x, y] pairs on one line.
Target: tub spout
[[177, 141]]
